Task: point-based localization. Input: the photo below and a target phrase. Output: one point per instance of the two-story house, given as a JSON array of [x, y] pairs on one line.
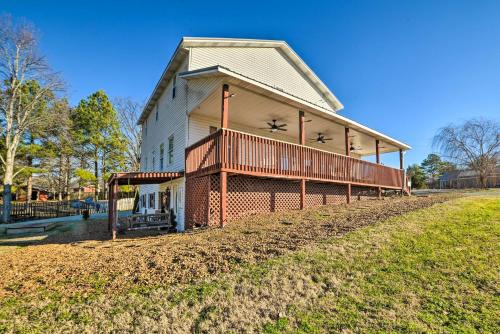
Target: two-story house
[[236, 126]]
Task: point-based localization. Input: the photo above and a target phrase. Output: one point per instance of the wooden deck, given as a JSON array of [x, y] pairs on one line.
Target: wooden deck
[[242, 153]]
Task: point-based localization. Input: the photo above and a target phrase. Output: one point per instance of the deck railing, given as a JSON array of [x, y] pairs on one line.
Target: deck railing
[[243, 153]]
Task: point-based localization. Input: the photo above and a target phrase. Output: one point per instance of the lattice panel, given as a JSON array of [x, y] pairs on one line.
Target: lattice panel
[[197, 200], [214, 200], [363, 193], [318, 194], [247, 195]]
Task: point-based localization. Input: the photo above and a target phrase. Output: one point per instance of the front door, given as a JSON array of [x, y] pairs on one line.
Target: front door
[[165, 200]]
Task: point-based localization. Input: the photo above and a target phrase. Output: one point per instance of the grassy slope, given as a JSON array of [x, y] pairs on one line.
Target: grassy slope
[[432, 270]]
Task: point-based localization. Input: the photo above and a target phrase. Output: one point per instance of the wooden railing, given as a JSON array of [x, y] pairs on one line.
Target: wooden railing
[[243, 153]]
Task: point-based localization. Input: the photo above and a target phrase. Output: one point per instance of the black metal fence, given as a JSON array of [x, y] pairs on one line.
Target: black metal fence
[[39, 210]]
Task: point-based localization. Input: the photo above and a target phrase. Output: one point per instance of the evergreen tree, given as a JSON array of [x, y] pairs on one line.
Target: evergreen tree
[[417, 175], [434, 167], [100, 144]]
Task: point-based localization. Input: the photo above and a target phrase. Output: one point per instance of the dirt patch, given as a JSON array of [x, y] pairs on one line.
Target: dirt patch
[[66, 265]]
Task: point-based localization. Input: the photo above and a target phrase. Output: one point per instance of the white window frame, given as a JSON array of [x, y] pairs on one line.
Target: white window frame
[[174, 86], [170, 149], [162, 156], [153, 160]]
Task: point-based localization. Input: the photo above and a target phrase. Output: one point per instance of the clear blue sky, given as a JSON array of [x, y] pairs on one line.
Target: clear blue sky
[[405, 68]]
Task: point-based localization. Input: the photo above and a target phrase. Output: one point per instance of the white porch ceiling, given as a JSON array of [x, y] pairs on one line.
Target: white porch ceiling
[[249, 111]]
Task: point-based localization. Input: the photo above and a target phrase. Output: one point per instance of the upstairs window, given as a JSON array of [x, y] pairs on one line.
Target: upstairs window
[[174, 86], [153, 162], [156, 113], [152, 200], [145, 167], [162, 153], [170, 150]]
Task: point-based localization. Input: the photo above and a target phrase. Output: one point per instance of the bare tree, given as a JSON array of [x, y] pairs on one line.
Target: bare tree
[[20, 64], [474, 144], [128, 114]]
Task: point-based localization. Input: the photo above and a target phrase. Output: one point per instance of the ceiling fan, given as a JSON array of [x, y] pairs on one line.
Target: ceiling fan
[[352, 148], [321, 139], [273, 127]]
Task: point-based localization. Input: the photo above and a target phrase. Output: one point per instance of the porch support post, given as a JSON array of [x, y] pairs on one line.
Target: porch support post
[[224, 122], [348, 165], [401, 161], [377, 150], [302, 141], [224, 118], [377, 154], [401, 166], [115, 208], [110, 207]]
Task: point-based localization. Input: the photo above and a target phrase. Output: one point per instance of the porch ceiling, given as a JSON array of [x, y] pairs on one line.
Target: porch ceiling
[[250, 110]]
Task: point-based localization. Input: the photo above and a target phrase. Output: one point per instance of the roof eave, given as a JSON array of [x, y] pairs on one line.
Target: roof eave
[[218, 70]]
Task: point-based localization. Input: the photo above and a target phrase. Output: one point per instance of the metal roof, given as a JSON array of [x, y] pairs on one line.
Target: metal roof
[[135, 178]]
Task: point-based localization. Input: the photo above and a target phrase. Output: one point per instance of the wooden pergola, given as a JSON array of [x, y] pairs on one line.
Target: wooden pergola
[[132, 178]]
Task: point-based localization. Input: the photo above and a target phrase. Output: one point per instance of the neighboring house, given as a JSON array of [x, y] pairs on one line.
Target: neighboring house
[[236, 127], [461, 179]]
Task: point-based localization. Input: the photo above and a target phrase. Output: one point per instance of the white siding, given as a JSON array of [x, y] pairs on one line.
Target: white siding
[[177, 199], [199, 127], [171, 121], [200, 89], [267, 65]]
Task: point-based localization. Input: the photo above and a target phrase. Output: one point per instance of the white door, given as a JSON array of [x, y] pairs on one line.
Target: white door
[[178, 206]]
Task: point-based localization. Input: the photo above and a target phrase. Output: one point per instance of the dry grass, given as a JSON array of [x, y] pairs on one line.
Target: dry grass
[[429, 270], [72, 268]]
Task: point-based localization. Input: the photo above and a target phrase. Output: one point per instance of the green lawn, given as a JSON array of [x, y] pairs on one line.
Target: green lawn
[[432, 270]]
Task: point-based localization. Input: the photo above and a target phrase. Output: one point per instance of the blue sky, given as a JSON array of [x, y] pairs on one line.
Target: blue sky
[[405, 68]]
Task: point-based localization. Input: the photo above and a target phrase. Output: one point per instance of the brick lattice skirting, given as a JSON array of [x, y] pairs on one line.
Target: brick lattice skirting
[[250, 195]]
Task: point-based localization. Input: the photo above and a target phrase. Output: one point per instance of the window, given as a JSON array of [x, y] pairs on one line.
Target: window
[[152, 200], [212, 129], [156, 113], [162, 153], [170, 149], [143, 201], [145, 167], [153, 162], [174, 84]]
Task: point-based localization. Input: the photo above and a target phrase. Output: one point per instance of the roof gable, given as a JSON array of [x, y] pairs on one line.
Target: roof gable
[[272, 62], [323, 98]]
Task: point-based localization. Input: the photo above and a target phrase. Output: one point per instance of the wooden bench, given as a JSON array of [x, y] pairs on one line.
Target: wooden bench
[[145, 222]]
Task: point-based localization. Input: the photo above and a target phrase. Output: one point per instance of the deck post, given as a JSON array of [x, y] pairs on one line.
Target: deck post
[[401, 166], [348, 165], [224, 119], [377, 154], [115, 208], [223, 174], [302, 141], [110, 207]]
